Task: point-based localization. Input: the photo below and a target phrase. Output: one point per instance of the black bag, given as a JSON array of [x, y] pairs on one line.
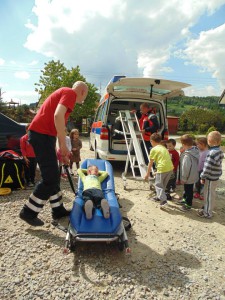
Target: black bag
[[12, 167]]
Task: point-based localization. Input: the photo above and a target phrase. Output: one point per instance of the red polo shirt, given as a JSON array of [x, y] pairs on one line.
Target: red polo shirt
[[44, 122]]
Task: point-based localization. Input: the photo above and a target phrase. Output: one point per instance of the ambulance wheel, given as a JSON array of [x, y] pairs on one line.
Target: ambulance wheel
[[96, 153], [90, 146]]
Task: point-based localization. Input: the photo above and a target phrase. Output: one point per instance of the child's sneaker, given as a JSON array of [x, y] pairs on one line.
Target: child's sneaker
[[197, 196], [201, 198], [185, 207], [178, 182], [181, 202], [105, 208], [156, 199], [88, 208], [201, 214], [163, 204]]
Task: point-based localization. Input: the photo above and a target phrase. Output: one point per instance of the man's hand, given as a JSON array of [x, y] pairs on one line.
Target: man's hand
[[65, 153]]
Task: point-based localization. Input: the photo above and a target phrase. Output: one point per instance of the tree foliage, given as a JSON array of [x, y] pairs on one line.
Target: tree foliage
[[56, 75], [200, 120], [3, 107]]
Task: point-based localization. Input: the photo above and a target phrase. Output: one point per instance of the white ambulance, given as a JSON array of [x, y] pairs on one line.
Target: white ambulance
[[123, 93]]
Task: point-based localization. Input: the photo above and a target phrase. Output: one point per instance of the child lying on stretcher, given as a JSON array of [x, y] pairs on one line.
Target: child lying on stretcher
[[92, 193]]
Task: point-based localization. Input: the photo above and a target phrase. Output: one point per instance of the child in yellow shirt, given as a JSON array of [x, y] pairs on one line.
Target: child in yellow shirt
[[92, 192], [160, 155]]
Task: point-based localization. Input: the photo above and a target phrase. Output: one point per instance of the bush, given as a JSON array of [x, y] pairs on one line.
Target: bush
[[212, 128], [223, 142]]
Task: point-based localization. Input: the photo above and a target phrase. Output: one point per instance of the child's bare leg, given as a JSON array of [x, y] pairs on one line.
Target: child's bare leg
[[105, 208]]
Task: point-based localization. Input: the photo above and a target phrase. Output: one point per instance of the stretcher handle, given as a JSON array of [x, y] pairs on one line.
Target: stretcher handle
[[69, 177]]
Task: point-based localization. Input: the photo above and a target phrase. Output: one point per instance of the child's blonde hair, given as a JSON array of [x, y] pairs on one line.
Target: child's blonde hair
[[215, 137], [91, 167]]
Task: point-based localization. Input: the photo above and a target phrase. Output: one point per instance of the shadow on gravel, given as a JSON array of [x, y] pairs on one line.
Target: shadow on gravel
[[102, 265], [218, 216], [47, 236], [15, 196]]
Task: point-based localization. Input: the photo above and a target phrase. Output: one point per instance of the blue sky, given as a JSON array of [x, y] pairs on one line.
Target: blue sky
[[176, 40]]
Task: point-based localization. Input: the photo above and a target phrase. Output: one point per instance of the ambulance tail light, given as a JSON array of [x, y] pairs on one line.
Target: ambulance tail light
[[104, 134]]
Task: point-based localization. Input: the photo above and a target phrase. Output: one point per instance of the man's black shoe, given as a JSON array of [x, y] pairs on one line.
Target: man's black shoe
[[33, 221], [60, 212]]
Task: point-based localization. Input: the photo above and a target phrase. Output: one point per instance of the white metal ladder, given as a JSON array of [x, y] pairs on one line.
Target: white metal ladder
[[133, 139]]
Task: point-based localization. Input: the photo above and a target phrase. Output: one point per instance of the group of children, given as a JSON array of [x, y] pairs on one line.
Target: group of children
[[198, 165]]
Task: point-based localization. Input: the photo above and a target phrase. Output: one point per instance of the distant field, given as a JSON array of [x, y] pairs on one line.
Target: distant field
[[177, 110]]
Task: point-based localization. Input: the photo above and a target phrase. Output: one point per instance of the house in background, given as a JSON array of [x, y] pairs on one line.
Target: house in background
[[173, 124]]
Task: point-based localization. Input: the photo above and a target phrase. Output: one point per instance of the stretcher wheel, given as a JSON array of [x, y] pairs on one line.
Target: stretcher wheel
[[126, 224], [72, 243], [121, 246]]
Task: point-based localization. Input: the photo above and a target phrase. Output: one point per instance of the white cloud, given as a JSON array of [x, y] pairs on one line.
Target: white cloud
[[2, 61], [22, 75], [207, 52], [107, 37], [22, 97], [33, 63], [202, 91]]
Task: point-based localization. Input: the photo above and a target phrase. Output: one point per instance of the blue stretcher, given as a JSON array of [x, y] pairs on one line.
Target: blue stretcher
[[97, 229]]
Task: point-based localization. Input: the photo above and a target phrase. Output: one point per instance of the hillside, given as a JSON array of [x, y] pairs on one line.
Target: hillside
[[176, 106]]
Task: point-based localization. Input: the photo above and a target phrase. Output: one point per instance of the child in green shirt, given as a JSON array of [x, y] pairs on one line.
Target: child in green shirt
[[92, 193], [160, 155]]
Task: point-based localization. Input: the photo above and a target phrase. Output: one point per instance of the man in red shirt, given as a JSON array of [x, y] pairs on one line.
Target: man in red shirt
[[50, 122], [29, 157]]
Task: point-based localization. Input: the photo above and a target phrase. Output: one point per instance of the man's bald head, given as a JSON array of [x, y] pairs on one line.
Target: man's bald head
[[81, 90]]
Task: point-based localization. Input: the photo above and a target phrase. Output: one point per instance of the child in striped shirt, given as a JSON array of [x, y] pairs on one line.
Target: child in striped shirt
[[211, 173]]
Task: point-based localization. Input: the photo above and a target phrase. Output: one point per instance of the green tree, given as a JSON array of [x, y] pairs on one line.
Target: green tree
[[200, 120], [56, 75], [22, 114], [2, 104]]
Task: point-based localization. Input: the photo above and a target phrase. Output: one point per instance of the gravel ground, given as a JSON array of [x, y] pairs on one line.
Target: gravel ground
[[175, 255]]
